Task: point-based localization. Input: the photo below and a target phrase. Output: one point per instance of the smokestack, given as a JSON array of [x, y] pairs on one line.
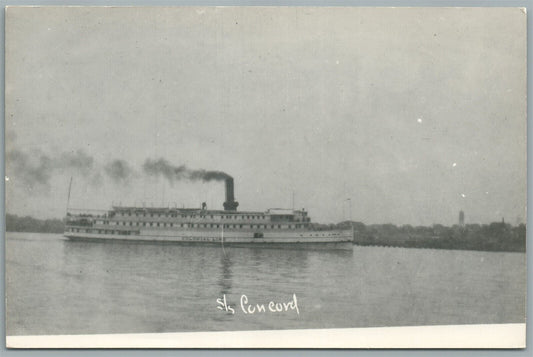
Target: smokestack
[[230, 204]]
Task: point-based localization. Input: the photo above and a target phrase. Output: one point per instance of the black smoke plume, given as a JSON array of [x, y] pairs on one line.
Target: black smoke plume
[[162, 167], [76, 160], [37, 169], [119, 171]]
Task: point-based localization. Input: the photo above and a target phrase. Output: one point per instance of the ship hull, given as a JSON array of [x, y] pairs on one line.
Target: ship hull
[[314, 240]]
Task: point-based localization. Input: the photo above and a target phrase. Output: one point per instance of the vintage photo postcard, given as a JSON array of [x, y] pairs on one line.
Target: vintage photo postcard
[[265, 177]]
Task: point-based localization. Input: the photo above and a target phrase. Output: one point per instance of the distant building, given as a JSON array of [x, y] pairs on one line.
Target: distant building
[[461, 219]]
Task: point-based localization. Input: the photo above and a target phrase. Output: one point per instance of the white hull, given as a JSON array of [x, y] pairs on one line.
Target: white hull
[[315, 238]]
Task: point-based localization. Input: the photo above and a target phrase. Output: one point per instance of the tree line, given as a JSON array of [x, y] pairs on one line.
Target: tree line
[[496, 236], [15, 223]]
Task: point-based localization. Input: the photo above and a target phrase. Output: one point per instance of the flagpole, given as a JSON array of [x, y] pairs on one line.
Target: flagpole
[[222, 240]]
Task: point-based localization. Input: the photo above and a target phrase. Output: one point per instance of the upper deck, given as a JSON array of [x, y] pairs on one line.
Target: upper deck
[[275, 218], [271, 215]]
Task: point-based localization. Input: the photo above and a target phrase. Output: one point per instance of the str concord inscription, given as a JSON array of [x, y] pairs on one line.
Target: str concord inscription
[[252, 308]]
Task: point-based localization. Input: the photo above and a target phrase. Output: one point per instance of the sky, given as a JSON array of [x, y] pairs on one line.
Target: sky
[[381, 115]]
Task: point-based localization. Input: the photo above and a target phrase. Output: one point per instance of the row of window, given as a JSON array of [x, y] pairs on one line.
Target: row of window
[[201, 225], [103, 231], [174, 215], [111, 231]]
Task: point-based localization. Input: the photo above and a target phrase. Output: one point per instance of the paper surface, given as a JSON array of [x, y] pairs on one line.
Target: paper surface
[[184, 177]]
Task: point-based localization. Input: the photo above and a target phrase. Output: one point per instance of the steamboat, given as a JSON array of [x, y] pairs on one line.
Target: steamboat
[[230, 227]]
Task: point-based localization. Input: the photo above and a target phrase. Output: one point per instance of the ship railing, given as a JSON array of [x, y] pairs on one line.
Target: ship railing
[[79, 224], [90, 213]]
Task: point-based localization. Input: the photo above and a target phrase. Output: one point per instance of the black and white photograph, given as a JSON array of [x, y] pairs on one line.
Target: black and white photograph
[[265, 177]]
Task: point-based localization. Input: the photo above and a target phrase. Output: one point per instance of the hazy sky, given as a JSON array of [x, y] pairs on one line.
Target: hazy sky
[[412, 114]]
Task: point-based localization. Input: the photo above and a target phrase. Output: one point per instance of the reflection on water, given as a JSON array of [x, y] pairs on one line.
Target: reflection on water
[[225, 276], [56, 286]]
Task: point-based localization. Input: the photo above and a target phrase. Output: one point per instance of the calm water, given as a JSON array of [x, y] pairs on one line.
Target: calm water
[[55, 286]]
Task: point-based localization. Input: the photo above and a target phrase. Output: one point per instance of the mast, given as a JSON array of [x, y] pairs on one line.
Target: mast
[[293, 200], [68, 196]]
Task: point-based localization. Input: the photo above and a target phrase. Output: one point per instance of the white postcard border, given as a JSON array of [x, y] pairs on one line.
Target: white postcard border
[[446, 336]]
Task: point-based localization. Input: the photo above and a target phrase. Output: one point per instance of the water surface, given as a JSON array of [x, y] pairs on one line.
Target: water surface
[[57, 286]]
